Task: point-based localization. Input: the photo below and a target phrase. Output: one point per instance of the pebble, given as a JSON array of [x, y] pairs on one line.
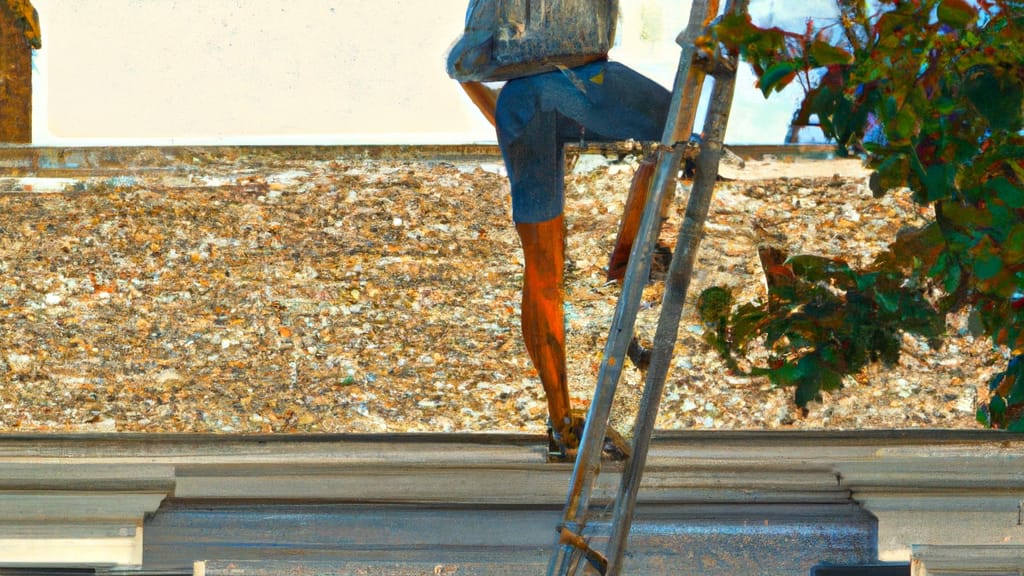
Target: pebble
[[168, 376], [588, 163], [19, 363]]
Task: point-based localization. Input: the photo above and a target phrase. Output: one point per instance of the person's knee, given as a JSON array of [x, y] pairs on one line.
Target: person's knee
[[517, 100]]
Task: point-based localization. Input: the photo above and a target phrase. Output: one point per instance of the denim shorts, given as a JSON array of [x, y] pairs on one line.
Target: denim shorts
[[537, 115]]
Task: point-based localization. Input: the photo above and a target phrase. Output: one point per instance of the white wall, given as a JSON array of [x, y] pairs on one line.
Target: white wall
[[298, 71]]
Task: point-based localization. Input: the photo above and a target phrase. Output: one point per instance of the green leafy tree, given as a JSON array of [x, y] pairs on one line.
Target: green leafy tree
[[932, 91]]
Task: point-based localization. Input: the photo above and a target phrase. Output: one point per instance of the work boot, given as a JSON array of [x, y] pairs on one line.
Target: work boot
[[564, 446], [660, 261]]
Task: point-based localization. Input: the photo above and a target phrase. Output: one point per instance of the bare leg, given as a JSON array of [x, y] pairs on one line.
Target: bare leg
[[485, 98], [543, 320], [630, 223], [629, 226]]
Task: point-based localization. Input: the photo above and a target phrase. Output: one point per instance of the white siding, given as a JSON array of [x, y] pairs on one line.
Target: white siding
[[301, 71]]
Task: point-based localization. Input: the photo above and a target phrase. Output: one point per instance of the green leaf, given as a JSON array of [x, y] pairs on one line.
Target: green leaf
[[814, 268], [807, 391], [938, 181], [903, 126], [866, 280], [746, 323], [1017, 168], [914, 245], [952, 281], [891, 173], [822, 53], [888, 302], [941, 266], [945, 105], [831, 380], [1013, 247], [996, 95], [995, 380], [714, 304], [1002, 218], [1011, 195], [735, 29], [987, 266], [956, 13], [1015, 370], [987, 263], [983, 417], [777, 77], [1016, 395], [890, 107], [786, 375], [997, 408], [969, 216]]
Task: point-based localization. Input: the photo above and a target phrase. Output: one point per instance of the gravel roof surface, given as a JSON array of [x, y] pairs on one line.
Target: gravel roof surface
[[263, 293]]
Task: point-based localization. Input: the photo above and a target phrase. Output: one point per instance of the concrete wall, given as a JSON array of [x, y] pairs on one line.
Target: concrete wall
[[301, 71]]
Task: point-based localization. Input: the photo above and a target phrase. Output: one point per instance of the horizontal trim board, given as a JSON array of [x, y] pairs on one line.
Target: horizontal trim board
[[701, 489], [99, 160], [70, 551], [993, 560], [334, 539]]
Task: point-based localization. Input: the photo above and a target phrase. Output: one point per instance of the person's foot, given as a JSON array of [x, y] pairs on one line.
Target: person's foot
[[639, 354], [563, 446], [660, 261]]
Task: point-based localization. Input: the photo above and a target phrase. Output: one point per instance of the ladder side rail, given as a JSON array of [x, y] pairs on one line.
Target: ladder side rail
[[677, 284], [678, 128]]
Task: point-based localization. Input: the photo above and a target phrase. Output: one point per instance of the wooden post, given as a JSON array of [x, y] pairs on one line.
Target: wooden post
[[19, 34]]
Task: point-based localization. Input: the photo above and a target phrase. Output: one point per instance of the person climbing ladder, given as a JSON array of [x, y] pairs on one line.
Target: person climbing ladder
[[535, 115]]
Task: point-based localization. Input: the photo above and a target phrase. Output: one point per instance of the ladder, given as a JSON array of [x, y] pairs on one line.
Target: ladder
[[571, 549]]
